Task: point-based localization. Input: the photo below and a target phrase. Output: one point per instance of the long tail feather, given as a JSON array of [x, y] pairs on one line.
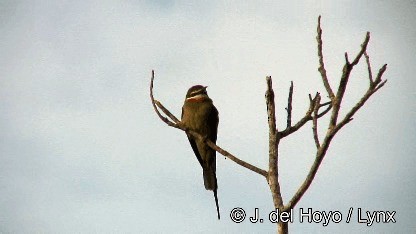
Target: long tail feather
[[216, 203]]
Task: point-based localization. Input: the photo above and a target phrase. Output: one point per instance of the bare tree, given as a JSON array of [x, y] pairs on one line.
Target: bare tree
[[316, 110]]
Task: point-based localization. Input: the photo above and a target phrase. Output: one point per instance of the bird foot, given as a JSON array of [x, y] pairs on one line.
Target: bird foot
[[205, 138]]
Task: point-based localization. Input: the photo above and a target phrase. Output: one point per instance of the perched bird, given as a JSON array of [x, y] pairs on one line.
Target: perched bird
[[199, 114]]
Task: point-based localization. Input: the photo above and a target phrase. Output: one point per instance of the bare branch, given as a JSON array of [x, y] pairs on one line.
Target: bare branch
[[289, 106], [315, 121], [321, 68], [363, 49], [326, 110], [320, 153], [273, 173], [232, 157], [307, 117], [346, 58], [271, 114], [325, 104], [346, 71], [298, 125], [177, 124], [167, 112], [371, 90], [379, 86], [333, 126], [370, 73], [164, 119], [380, 74], [348, 117]]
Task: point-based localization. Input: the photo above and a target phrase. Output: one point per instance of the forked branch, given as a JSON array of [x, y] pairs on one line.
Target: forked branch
[[334, 126], [307, 117]]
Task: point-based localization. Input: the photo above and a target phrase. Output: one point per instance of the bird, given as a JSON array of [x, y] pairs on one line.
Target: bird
[[200, 115]]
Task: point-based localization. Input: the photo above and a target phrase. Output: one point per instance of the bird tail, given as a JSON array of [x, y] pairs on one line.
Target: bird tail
[[216, 203], [210, 179], [210, 182]]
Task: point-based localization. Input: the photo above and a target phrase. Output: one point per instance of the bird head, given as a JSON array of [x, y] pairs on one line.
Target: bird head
[[197, 93]]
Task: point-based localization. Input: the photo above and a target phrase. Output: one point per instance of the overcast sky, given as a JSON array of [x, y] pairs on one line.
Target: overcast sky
[[81, 149]]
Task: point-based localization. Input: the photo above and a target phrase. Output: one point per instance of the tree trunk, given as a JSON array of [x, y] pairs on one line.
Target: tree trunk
[[282, 228]]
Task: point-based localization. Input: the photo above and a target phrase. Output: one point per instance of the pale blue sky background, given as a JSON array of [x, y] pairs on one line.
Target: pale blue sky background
[[81, 149]]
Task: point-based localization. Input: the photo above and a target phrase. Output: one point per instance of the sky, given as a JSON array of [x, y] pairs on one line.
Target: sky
[[82, 150]]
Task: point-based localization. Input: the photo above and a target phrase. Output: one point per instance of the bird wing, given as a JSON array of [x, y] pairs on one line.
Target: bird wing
[[213, 120], [194, 147]]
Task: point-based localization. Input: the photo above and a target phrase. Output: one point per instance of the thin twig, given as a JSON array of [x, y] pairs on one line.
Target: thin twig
[[231, 156], [321, 67], [315, 121], [363, 49], [289, 106], [347, 61], [325, 104], [380, 86], [380, 74], [167, 112], [348, 117], [164, 119], [325, 111], [370, 73]]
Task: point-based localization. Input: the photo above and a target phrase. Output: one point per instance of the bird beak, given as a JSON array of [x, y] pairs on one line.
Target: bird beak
[[205, 87]]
